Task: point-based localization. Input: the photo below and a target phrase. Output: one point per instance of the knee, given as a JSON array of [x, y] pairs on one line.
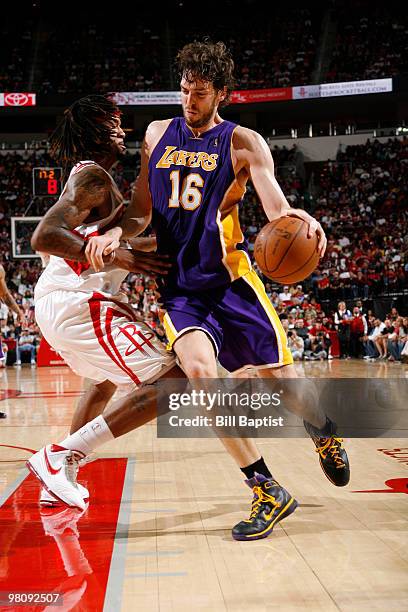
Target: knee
[[198, 368]]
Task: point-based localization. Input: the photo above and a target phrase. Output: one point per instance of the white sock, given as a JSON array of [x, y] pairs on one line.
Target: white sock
[[90, 436]]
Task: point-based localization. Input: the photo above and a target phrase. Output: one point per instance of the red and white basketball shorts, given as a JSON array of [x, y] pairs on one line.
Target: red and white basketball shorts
[[98, 337]]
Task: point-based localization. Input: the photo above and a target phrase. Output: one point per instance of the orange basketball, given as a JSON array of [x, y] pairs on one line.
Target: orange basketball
[[283, 251]]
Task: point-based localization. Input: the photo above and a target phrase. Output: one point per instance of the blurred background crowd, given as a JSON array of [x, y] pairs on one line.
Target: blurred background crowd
[[360, 200], [353, 305]]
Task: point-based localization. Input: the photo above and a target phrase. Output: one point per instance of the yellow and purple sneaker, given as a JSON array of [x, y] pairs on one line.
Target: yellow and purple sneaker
[[333, 458], [271, 503]]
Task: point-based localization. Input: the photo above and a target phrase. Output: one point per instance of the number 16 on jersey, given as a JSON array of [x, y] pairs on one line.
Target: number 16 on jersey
[[189, 196]]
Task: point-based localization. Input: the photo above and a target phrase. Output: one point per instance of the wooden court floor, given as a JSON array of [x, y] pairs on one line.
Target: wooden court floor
[[156, 535]]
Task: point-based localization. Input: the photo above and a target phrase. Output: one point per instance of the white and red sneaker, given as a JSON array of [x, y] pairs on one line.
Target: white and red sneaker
[[47, 500], [56, 468], [58, 520]]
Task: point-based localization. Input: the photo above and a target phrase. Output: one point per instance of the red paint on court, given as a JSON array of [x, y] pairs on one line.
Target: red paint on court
[[396, 485], [62, 550], [29, 450], [9, 394]]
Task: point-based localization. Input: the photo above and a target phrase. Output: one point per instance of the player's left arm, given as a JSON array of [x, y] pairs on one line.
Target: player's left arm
[[135, 219], [251, 152], [147, 244]]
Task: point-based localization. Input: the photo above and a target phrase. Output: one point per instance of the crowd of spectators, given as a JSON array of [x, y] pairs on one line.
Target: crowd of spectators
[[360, 201], [272, 46], [128, 57], [347, 332], [16, 46], [19, 340], [371, 41], [269, 53]]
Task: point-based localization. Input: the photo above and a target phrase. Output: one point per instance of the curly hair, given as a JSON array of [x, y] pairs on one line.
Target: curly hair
[[84, 130], [207, 61]]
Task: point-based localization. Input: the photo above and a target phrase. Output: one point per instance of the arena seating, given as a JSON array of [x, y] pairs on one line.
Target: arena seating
[[359, 199], [371, 41], [85, 53]]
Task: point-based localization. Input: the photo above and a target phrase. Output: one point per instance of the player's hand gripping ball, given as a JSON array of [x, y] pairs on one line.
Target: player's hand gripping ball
[[283, 251]]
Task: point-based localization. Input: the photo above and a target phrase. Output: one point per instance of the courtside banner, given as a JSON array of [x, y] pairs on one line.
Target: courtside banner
[[174, 97], [17, 99], [273, 408], [253, 96], [305, 92], [246, 96], [355, 88], [145, 98]]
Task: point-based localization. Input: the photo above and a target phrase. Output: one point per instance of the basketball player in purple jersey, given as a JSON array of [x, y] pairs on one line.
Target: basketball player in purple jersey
[[193, 177]]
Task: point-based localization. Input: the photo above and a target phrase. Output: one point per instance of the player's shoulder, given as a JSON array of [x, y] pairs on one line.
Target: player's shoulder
[[245, 141], [245, 136], [154, 132], [90, 173], [157, 127], [158, 124]]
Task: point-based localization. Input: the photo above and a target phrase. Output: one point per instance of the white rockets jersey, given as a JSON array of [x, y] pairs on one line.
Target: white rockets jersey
[[69, 275]]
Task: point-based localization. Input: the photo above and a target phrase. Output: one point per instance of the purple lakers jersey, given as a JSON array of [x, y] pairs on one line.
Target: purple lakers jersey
[[196, 198]]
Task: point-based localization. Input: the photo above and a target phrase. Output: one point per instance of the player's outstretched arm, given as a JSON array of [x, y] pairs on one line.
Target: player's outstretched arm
[[138, 214], [86, 191], [134, 220], [251, 153], [147, 244]]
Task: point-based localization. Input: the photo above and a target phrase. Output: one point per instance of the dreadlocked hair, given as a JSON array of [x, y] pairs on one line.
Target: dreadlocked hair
[[207, 61], [84, 131]]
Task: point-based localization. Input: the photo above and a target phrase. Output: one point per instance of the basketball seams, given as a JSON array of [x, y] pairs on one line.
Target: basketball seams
[[265, 237], [271, 248], [278, 278], [286, 252]]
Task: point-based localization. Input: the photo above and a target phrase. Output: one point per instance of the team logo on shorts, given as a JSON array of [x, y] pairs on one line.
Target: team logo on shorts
[[140, 340]]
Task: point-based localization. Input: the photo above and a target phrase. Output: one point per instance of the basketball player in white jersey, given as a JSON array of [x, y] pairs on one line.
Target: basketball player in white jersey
[[82, 313]]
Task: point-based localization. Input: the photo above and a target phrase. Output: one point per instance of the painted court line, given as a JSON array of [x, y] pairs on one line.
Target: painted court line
[[114, 588], [13, 486], [72, 549]]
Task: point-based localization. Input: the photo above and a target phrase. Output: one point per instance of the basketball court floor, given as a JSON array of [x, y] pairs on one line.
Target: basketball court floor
[[156, 534]]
